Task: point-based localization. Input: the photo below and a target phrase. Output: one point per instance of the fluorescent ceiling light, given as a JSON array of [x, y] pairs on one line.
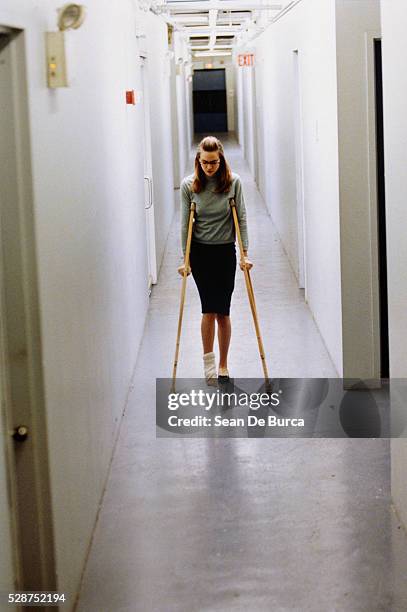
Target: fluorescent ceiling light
[[204, 47], [190, 19], [199, 33], [211, 53]]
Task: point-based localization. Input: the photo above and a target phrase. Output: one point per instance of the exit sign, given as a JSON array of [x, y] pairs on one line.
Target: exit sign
[[245, 59]]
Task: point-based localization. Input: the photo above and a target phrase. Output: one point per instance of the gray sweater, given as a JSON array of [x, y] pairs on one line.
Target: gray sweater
[[213, 216]]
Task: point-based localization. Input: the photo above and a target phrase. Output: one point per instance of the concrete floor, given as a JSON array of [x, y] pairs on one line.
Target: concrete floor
[[216, 525]]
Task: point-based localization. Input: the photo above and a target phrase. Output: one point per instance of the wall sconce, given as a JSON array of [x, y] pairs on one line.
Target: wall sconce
[[70, 16]]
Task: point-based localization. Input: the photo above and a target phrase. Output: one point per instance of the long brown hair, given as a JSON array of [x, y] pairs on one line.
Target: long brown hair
[[211, 144]]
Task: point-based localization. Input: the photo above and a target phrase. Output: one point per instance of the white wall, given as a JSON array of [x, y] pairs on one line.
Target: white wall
[[261, 125], [394, 49], [339, 229], [159, 74], [230, 94], [189, 107], [248, 118], [174, 121], [90, 220], [183, 108], [310, 28], [239, 108]]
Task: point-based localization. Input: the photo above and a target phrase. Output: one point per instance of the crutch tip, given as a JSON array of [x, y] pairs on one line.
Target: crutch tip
[[268, 386]]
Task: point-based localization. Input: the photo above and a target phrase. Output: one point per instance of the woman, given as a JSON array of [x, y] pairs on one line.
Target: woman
[[213, 253]]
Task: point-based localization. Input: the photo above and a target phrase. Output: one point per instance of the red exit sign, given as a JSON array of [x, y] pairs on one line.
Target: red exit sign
[[245, 59]]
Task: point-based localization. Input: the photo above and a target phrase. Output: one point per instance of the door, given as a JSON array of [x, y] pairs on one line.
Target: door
[[259, 114], [148, 178], [23, 417], [209, 101], [381, 213], [255, 126], [299, 174], [249, 102], [8, 570]]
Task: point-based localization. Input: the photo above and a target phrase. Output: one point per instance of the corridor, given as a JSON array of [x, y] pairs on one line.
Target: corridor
[[236, 525], [102, 106]]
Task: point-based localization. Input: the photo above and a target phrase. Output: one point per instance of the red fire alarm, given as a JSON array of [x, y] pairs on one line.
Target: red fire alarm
[[130, 97]]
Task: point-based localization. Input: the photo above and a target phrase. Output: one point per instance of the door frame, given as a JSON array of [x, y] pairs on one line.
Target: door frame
[[370, 37], [27, 463]]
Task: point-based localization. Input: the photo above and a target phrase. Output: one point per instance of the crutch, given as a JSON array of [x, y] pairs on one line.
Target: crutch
[[184, 285], [250, 293]]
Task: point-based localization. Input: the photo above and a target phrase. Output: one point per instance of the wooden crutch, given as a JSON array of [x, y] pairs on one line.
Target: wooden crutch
[[250, 292], [184, 285]]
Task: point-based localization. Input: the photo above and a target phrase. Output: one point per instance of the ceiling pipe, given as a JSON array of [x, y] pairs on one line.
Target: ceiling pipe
[[285, 10], [249, 37], [223, 5]]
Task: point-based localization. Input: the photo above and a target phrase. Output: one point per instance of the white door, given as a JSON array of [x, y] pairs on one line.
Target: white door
[[254, 126], [302, 280], [148, 177], [23, 447]]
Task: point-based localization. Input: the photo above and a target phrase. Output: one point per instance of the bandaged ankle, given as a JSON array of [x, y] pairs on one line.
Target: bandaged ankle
[[209, 365]]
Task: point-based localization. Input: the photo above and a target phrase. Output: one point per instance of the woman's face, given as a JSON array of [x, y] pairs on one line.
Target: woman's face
[[209, 161]]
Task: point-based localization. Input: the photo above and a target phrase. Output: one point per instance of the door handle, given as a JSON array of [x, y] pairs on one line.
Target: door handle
[[20, 433], [150, 192]]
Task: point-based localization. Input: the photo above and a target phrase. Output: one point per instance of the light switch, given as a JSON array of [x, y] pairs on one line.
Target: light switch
[[56, 62]]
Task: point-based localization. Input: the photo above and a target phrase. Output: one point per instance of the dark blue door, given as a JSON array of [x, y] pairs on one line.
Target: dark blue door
[[209, 98]]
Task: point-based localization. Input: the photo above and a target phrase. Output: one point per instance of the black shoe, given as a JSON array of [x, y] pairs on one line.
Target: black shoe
[[224, 379]]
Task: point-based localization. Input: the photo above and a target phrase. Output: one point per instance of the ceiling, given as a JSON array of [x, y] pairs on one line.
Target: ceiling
[[213, 27]]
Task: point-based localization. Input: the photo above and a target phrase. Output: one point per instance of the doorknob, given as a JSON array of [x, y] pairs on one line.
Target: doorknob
[[20, 433]]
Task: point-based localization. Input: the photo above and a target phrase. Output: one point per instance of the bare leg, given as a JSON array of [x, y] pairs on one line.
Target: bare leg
[[208, 331], [224, 333]]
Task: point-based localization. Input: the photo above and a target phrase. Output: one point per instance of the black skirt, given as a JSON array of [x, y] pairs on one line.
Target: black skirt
[[213, 267]]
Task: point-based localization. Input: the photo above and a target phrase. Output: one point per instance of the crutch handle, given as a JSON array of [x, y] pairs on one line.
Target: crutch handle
[[246, 263], [232, 204], [181, 270]]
